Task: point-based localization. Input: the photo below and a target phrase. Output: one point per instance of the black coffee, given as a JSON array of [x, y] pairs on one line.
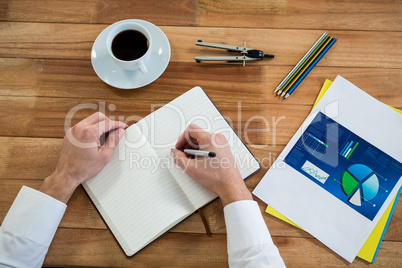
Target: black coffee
[[129, 45]]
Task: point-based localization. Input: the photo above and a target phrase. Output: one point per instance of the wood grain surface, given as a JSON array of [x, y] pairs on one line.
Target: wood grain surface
[[45, 71]]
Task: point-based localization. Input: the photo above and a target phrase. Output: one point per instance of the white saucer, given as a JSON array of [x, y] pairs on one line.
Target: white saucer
[[113, 75]]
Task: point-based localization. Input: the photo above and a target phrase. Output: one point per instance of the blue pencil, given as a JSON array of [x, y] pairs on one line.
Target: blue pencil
[[309, 68]]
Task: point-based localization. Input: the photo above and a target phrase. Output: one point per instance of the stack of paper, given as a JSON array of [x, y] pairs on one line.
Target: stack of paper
[[370, 248], [340, 173]]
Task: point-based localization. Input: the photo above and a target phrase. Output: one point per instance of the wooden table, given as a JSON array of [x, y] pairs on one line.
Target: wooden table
[[45, 70]]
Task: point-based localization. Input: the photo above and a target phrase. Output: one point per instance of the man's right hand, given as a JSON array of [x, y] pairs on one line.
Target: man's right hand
[[218, 174]]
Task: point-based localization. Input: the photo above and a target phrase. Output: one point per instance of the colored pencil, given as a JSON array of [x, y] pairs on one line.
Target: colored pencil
[[305, 66], [311, 67], [300, 62], [285, 86]]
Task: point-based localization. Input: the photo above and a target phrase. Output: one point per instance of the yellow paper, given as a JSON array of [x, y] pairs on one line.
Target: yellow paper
[[324, 88], [367, 252], [369, 248]]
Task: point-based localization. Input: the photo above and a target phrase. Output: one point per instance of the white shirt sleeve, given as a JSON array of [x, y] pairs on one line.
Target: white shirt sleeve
[[28, 228], [249, 241]]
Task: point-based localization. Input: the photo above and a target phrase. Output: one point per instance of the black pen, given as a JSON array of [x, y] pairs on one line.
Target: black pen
[[103, 137], [198, 152]]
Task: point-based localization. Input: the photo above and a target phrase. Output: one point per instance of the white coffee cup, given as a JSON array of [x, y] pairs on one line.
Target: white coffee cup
[[135, 64]]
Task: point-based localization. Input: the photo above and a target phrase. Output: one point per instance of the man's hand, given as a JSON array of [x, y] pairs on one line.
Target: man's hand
[[219, 174], [82, 157]]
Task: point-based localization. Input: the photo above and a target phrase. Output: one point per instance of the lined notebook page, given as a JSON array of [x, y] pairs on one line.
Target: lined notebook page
[[164, 126], [137, 200]]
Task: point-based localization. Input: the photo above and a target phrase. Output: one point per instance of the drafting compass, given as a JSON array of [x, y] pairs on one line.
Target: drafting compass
[[247, 54]]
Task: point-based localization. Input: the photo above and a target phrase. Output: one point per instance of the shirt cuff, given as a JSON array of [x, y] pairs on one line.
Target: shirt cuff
[[245, 226], [34, 215]]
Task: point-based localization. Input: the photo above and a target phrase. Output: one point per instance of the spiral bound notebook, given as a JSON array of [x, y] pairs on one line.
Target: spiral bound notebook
[[140, 193]]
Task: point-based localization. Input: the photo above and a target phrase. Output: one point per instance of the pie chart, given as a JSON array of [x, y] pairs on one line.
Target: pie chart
[[360, 183]]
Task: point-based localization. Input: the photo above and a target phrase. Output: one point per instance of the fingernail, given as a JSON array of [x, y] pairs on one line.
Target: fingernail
[[120, 132]]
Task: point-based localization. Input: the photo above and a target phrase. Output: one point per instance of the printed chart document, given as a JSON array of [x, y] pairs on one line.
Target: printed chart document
[[341, 169], [370, 248], [140, 193]]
